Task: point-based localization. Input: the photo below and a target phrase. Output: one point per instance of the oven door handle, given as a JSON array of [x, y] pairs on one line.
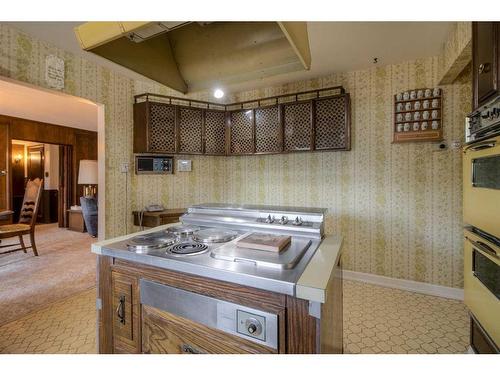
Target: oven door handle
[[482, 146], [483, 247]]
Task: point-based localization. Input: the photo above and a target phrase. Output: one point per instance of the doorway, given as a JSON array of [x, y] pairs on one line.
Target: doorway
[[32, 160], [72, 128]]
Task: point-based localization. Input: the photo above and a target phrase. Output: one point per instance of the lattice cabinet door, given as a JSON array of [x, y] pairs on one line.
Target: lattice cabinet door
[[332, 123], [190, 127], [241, 132], [215, 132], [268, 131], [161, 128], [298, 126]]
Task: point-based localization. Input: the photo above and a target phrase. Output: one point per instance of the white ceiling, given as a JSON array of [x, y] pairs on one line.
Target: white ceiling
[[335, 46], [32, 103]]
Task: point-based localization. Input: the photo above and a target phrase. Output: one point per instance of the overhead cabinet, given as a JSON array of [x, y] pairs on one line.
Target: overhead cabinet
[[298, 126], [241, 130], [268, 131], [317, 120], [190, 135], [485, 61], [215, 132]]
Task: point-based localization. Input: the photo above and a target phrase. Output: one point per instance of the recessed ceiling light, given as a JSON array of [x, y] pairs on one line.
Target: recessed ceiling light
[[218, 93]]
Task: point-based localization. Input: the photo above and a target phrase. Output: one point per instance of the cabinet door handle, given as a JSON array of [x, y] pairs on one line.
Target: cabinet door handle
[[186, 348], [3, 173], [120, 310], [484, 68]]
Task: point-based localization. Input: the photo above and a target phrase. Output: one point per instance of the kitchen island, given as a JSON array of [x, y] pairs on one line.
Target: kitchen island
[[220, 298]]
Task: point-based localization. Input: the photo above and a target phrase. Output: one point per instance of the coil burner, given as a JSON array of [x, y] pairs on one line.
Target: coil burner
[[213, 235], [187, 248], [145, 242]]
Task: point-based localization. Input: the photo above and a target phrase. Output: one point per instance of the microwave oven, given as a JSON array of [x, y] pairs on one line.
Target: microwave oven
[[154, 164]]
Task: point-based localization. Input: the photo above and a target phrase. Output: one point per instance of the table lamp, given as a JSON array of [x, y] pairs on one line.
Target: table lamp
[[87, 176]]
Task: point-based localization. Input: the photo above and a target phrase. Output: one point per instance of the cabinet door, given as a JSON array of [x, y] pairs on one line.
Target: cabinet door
[[241, 132], [190, 130], [298, 127], [166, 333], [161, 128], [485, 61], [332, 123], [215, 132], [126, 314], [268, 130]]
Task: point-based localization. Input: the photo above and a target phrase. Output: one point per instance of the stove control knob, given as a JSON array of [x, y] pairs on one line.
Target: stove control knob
[[269, 219], [297, 221], [283, 220], [254, 327]]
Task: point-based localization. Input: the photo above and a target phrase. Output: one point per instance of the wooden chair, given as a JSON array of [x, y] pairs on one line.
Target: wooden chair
[[27, 219]]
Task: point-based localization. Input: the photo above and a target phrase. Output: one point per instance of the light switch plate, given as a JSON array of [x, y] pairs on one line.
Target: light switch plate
[[184, 165], [124, 168]]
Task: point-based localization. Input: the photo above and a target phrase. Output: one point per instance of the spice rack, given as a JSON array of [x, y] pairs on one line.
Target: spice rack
[[418, 115]]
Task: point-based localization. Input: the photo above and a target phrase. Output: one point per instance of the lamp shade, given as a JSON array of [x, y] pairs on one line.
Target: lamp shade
[[87, 173]]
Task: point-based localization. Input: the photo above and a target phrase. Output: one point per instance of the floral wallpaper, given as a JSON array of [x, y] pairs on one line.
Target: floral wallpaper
[[398, 206], [22, 57], [457, 52]]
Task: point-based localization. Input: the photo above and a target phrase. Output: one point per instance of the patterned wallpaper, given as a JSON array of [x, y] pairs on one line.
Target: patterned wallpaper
[[397, 205], [457, 52], [22, 57]]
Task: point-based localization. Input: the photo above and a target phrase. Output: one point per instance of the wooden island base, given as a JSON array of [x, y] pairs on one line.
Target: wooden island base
[[127, 326]]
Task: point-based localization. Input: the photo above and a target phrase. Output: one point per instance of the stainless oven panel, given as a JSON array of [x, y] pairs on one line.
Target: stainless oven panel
[[242, 321], [483, 123]]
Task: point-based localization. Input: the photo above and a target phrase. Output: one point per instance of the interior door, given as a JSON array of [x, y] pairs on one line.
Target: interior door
[[36, 168], [65, 184], [35, 162], [4, 166]]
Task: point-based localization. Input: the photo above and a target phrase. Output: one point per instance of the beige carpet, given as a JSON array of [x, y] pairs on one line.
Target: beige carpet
[[65, 266]]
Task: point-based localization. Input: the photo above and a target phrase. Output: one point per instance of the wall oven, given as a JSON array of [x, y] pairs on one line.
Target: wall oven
[[482, 185], [481, 188], [482, 290]]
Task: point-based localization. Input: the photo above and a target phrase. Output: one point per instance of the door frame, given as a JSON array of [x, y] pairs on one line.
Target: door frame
[[101, 155]]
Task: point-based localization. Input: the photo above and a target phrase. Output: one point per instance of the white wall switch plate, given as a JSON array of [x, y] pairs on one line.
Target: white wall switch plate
[[124, 167], [184, 165]]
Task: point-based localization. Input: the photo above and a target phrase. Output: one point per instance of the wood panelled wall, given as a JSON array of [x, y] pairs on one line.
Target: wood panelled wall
[[83, 143]]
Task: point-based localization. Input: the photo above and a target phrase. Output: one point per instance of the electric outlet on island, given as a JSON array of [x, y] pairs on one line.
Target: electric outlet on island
[[124, 168]]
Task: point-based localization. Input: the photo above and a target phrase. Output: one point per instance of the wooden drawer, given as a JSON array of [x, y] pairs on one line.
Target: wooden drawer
[[126, 314], [165, 333]]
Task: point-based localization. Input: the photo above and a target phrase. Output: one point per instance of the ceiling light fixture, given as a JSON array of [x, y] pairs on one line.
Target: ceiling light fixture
[[218, 93]]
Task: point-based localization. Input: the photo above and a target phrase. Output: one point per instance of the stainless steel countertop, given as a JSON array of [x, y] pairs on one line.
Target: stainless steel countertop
[[276, 280]]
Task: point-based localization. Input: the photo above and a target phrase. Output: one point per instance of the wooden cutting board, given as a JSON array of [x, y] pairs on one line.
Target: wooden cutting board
[[264, 241]]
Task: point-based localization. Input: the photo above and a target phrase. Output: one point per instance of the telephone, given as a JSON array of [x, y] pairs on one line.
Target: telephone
[[154, 208]]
